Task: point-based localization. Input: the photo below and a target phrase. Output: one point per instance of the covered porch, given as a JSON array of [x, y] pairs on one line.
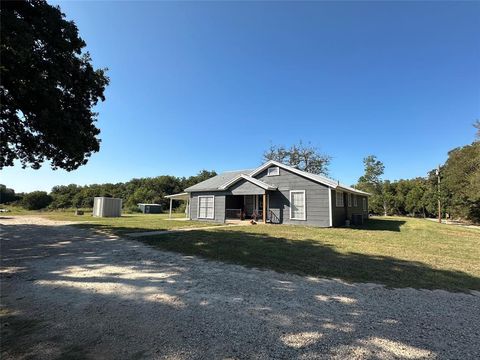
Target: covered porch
[[248, 199], [179, 197], [247, 207]]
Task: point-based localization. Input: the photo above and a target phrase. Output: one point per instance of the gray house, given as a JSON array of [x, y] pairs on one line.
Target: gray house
[[276, 193]]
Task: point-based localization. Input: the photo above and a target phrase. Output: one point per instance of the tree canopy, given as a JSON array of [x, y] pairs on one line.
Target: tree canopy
[[301, 156], [48, 90], [371, 181]]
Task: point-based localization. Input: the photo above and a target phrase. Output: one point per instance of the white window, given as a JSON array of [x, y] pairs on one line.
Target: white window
[[273, 171], [339, 198], [349, 199], [364, 204], [355, 202], [206, 205], [297, 205]]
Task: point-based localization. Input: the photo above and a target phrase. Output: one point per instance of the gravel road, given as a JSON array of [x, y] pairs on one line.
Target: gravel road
[[70, 293]]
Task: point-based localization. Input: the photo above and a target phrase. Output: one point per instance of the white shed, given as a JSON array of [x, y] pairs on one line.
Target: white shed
[[107, 207]]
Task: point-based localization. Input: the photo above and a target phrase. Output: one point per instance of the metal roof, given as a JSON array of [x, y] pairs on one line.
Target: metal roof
[[249, 179], [315, 177], [214, 183], [179, 196], [224, 180]]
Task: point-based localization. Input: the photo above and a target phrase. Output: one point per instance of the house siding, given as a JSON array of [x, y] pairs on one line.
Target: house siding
[[340, 214], [219, 206], [244, 187], [316, 198]]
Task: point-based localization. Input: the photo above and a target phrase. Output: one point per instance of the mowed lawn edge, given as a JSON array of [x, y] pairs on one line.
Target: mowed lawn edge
[[397, 252], [127, 223]]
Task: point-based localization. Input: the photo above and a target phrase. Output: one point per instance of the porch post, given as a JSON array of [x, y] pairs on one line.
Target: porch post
[[264, 212], [170, 213]]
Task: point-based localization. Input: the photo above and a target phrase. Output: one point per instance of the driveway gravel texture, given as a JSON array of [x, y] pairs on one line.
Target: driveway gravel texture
[[72, 293]]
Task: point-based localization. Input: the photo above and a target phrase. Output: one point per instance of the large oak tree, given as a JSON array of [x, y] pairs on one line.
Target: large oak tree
[[48, 88], [301, 156]]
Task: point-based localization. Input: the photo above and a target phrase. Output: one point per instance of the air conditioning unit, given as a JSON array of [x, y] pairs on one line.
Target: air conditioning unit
[[357, 219]]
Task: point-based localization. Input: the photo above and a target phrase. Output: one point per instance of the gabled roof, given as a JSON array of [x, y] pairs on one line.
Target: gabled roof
[[226, 179], [215, 182], [254, 181], [314, 177]]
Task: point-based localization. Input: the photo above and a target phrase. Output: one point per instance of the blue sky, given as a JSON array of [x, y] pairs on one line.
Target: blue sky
[[210, 85]]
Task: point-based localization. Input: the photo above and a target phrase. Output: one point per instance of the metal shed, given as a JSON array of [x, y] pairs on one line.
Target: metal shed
[[150, 208], [107, 207]]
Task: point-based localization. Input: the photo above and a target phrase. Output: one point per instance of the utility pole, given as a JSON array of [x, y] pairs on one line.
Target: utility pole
[[439, 203]]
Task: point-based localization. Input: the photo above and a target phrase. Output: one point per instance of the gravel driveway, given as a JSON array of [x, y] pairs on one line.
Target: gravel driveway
[[68, 292]]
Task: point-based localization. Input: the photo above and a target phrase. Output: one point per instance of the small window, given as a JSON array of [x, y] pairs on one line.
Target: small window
[[349, 199], [206, 205], [339, 198], [297, 205], [355, 202], [364, 204], [273, 171]]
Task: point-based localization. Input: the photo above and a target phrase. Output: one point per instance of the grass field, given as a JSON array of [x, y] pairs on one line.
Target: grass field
[[125, 224], [397, 252]]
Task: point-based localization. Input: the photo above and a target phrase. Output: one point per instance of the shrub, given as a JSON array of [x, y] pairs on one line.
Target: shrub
[[36, 200]]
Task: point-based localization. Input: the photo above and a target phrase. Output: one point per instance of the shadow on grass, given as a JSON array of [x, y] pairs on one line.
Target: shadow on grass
[[310, 257], [381, 224], [117, 230], [93, 292]]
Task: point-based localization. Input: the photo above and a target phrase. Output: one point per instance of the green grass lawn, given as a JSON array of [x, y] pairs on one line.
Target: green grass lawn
[[397, 252], [127, 223]]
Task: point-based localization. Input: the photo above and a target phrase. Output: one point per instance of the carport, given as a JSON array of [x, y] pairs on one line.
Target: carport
[[180, 197]]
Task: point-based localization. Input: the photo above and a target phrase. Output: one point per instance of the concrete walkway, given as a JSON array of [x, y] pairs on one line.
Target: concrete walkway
[[162, 232]]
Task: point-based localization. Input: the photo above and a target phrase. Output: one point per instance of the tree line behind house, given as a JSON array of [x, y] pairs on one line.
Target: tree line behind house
[[459, 190], [143, 190]]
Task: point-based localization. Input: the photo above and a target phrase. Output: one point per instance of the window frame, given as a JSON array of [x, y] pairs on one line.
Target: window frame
[[304, 205], [355, 200], [277, 173], [364, 204], [349, 199], [339, 194], [198, 207]]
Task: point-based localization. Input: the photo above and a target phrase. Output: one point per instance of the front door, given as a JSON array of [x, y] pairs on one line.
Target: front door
[[249, 205], [259, 206]]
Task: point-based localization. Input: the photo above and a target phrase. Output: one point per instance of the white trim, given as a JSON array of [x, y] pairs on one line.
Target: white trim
[[198, 206], [314, 177], [330, 209], [277, 173], [349, 199], [179, 196], [304, 204], [254, 181], [364, 204], [355, 200]]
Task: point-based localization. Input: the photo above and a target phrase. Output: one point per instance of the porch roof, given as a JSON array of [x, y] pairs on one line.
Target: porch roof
[[250, 179], [179, 196]]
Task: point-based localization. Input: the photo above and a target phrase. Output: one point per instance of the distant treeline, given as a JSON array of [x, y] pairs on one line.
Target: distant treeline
[[459, 188], [144, 190]]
